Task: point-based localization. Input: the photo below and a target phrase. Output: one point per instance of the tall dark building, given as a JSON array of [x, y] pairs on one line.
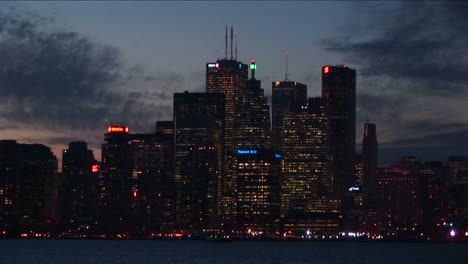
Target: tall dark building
[[252, 115], [286, 96], [258, 189], [80, 186], [165, 189], [370, 159], [339, 95], [28, 188], [199, 123], [116, 181], [306, 181], [228, 77]]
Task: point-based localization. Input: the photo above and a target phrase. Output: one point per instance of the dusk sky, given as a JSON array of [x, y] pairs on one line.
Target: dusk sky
[[70, 69]]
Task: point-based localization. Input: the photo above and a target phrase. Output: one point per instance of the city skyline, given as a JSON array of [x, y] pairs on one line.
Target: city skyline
[[417, 104]]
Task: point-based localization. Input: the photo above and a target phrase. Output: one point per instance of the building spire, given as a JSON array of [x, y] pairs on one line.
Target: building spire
[[236, 44], [232, 33], [286, 60], [225, 44]]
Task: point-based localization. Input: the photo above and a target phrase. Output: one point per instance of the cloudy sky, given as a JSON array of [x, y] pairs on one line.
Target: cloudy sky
[[70, 69]]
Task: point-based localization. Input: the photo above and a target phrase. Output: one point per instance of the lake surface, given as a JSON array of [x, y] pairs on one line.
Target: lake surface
[[239, 252]]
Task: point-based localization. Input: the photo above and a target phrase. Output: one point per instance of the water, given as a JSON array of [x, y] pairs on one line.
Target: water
[[238, 252]]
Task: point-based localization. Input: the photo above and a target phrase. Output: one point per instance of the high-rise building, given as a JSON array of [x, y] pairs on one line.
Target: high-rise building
[[116, 181], [199, 123], [370, 159], [286, 96], [80, 186], [228, 77], [339, 95], [258, 188], [165, 189], [306, 182], [252, 115], [28, 188]]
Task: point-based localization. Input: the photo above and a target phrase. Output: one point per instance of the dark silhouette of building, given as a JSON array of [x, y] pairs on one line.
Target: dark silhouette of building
[[164, 213], [79, 189], [116, 181], [339, 95], [199, 123], [28, 188], [286, 96], [370, 161], [258, 189]]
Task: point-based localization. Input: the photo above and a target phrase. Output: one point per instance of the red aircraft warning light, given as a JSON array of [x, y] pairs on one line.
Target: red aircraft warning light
[[95, 168], [326, 69], [118, 129]]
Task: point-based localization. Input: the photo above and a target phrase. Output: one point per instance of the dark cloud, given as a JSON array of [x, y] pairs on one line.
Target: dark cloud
[[412, 63], [419, 41], [60, 79]]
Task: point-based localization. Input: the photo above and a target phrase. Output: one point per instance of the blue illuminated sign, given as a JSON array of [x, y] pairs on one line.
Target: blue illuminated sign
[[240, 66], [246, 151], [278, 156]]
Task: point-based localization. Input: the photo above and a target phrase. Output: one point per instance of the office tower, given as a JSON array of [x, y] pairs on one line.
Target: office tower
[[306, 182], [286, 96], [165, 213], [370, 161], [400, 208], [458, 166], [116, 193], [258, 186], [199, 123], [339, 95], [144, 183], [434, 180], [252, 115], [29, 188], [80, 186]]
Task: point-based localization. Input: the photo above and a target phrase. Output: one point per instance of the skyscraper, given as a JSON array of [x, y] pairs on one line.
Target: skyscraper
[[339, 95], [252, 115], [286, 96], [306, 182], [80, 187], [116, 192], [199, 123], [29, 187], [258, 188], [370, 159], [228, 77]]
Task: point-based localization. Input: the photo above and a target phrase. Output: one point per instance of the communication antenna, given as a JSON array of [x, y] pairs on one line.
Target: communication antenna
[[236, 42], [286, 60], [225, 44], [232, 33]]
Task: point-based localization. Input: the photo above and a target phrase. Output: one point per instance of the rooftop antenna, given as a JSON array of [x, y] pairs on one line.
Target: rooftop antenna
[[225, 44], [286, 73], [232, 33], [236, 43]]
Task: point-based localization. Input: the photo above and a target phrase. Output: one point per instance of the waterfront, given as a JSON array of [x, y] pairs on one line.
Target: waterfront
[[239, 252]]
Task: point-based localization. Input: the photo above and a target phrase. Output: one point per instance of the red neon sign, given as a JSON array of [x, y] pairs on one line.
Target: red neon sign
[[118, 129], [95, 168], [135, 194], [326, 69]]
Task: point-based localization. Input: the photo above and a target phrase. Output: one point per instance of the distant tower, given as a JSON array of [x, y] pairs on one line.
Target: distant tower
[[370, 158], [339, 95]]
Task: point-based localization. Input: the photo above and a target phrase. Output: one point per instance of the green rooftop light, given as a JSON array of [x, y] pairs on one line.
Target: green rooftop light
[[253, 66]]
